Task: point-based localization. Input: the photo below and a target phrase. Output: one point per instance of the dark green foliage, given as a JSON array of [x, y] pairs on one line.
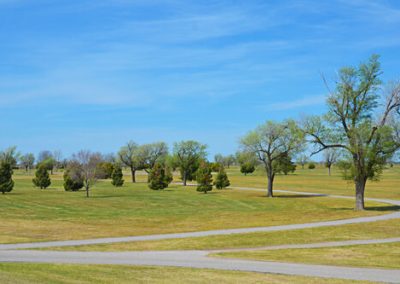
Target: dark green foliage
[[73, 178], [104, 170], [6, 182], [284, 165], [222, 180], [247, 168], [42, 178], [215, 167], [117, 176], [204, 178], [159, 177], [311, 166]]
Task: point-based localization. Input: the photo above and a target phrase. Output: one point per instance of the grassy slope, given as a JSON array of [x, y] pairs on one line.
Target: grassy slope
[[377, 255], [318, 181], [52, 273], [381, 229], [30, 214]]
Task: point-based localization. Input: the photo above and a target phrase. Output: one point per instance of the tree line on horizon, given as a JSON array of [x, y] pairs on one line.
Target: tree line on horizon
[[360, 132]]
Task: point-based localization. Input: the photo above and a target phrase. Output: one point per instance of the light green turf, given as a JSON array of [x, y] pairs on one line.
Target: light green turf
[[79, 274], [317, 180], [376, 255], [30, 214], [363, 231]]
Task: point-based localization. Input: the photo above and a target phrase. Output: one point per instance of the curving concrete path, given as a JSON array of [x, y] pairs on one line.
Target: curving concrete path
[[200, 259]]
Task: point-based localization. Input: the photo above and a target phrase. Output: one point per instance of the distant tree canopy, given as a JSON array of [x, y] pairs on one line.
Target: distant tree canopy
[[187, 156], [362, 121]]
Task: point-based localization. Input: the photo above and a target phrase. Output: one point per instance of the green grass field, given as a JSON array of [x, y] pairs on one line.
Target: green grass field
[[376, 255], [30, 214]]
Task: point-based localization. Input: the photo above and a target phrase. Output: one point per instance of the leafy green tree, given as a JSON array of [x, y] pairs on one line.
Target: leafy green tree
[[311, 166], [330, 157], [6, 182], [361, 121], [222, 181], [159, 177], [247, 168], [73, 178], [187, 157], [272, 141], [204, 178], [117, 176], [42, 178]]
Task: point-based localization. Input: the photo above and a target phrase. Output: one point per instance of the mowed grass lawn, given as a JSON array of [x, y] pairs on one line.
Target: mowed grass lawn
[[375, 255], [24, 273], [317, 180], [31, 214]]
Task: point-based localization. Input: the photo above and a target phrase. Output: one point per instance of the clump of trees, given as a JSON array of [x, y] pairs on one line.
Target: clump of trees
[[73, 178], [6, 182], [311, 166], [187, 156], [362, 121], [222, 181], [42, 177], [204, 178], [143, 157]]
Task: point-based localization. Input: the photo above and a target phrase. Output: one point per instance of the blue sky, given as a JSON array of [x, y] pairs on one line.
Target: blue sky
[[95, 74]]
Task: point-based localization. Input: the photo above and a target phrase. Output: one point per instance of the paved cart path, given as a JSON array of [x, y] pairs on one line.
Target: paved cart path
[[200, 259]]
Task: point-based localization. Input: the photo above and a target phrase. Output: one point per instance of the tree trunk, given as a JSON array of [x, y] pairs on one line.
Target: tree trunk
[[133, 172], [329, 170], [87, 191], [270, 185], [184, 178], [360, 188]]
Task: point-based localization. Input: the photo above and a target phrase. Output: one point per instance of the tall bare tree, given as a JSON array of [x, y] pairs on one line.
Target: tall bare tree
[[88, 162], [330, 156], [361, 121]]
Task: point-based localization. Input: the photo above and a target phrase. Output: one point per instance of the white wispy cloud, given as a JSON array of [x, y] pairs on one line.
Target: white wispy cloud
[[296, 104]]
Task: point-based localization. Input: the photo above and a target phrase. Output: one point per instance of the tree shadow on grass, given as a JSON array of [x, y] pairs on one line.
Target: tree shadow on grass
[[295, 196], [383, 208]]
